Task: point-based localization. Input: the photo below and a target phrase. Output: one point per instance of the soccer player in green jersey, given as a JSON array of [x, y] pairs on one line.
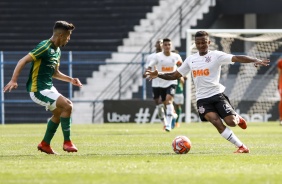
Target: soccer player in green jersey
[[45, 61], [179, 98]]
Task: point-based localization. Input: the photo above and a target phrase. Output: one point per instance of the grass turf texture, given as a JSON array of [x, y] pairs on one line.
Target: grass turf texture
[[131, 153]]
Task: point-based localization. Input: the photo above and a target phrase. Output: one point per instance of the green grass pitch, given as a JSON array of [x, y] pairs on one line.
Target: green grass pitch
[[132, 153]]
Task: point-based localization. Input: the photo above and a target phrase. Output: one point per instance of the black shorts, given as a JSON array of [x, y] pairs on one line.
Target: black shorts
[[162, 92], [219, 104]]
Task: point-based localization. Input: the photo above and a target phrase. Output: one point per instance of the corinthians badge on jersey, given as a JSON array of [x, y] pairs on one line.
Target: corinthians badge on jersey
[[208, 59], [201, 109]]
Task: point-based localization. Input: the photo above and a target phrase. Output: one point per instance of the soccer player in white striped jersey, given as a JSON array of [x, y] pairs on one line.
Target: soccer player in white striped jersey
[[166, 61], [212, 104], [155, 83]]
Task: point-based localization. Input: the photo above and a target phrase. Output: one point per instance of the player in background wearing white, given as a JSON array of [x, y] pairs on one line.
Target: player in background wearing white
[[212, 104], [155, 83], [166, 62]]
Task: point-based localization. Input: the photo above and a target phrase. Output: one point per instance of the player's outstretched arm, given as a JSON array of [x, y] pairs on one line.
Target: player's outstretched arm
[[13, 82], [148, 69], [264, 62], [167, 76], [60, 76], [76, 82], [151, 74], [248, 59]]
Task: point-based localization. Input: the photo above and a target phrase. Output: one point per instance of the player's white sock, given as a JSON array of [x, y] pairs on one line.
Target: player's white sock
[[161, 114], [231, 137], [169, 111]]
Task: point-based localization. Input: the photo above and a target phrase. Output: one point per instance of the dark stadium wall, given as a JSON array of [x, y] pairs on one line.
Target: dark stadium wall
[[249, 6], [236, 21], [230, 14]]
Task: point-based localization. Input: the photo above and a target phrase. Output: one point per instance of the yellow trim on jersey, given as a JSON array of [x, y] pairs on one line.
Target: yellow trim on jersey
[[42, 50], [33, 57], [35, 71]]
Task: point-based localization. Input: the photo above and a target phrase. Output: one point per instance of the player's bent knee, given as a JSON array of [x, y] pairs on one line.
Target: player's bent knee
[[231, 124], [68, 108], [230, 121]]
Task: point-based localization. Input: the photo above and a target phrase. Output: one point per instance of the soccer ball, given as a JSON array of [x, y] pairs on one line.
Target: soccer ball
[[181, 144]]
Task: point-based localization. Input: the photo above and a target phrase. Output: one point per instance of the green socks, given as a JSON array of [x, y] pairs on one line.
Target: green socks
[[50, 131], [66, 124], [52, 128], [178, 112]]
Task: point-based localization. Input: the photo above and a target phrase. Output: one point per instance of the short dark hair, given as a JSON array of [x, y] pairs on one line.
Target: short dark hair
[[159, 40], [63, 25], [166, 40], [201, 33]]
